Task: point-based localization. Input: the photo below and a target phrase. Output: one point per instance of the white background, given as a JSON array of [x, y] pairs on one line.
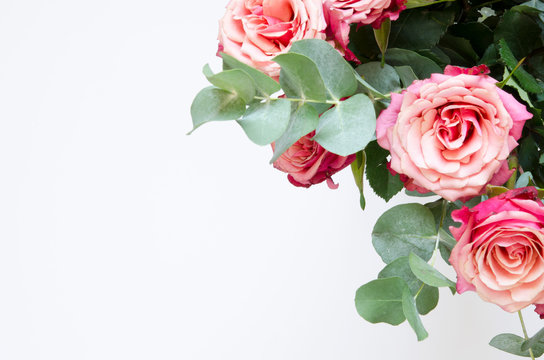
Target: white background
[[123, 238]]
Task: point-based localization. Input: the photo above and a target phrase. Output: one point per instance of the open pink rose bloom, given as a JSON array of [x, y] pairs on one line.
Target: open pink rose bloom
[[308, 163], [500, 249], [452, 133], [255, 31]]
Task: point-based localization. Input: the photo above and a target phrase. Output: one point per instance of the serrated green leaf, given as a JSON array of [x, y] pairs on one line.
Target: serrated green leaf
[[265, 122], [303, 121], [212, 104], [428, 274], [235, 81], [520, 32], [381, 301], [423, 67], [300, 78], [384, 184], [336, 73], [410, 311], [525, 80], [403, 229], [511, 343], [428, 27], [347, 127], [384, 79], [264, 84]]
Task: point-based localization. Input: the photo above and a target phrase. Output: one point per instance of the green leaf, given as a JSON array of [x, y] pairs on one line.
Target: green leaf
[[534, 341], [520, 32], [411, 4], [264, 84], [410, 311], [381, 301], [511, 343], [235, 81], [406, 75], [428, 274], [347, 127], [403, 229], [446, 245], [384, 184], [382, 35], [265, 122], [528, 153], [212, 104], [525, 80], [514, 84], [358, 170], [336, 73], [459, 50], [479, 35], [418, 194], [525, 179], [303, 121], [423, 67], [385, 79], [300, 78], [420, 29], [427, 299]]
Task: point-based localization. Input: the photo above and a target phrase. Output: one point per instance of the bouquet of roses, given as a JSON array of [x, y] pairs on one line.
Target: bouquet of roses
[[442, 98]]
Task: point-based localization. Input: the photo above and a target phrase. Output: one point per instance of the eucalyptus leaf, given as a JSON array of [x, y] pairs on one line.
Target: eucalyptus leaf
[[265, 122], [300, 78], [403, 229], [381, 301], [410, 311], [534, 342], [428, 274], [303, 121], [406, 75], [511, 343], [347, 127], [213, 104], [235, 81], [264, 84], [336, 73]]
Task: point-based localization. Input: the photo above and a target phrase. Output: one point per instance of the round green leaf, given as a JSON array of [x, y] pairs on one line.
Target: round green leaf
[[234, 81], [265, 84], [300, 78], [336, 73], [385, 79], [265, 122], [511, 343], [347, 127], [381, 301], [403, 229], [212, 104]]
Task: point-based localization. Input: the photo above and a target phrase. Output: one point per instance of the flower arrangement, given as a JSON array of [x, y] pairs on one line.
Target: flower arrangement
[[439, 98]]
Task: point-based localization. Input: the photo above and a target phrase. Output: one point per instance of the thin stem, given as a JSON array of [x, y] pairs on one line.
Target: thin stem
[[525, 333], [502, 83], [331, 102], [513, 163], [437, 242]]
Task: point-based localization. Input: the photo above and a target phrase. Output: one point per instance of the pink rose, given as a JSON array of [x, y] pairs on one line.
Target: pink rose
[[255, 31], [308, 163], [341, 13], [500, 249], [452, 133]]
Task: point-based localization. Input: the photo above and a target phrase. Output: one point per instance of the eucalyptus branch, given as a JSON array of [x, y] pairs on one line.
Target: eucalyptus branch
[[331, 102]]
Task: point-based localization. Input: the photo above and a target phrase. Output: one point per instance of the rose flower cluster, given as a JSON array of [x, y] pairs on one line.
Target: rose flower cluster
[[450, 135]]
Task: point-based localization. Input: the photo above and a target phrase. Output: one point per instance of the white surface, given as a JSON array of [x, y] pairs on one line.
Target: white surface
[[123, 238]]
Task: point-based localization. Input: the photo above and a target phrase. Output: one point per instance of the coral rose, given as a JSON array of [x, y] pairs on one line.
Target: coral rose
[[500, 249], [308, 163], [341, 13], [452, 133], [255, 31]]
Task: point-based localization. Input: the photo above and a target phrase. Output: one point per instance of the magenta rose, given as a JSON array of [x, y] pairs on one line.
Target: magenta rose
[[255, 31], [340, 14], [452, 133], [308, 163], [500, 249]]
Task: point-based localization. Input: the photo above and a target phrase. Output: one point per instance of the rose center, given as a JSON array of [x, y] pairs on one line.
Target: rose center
[[456, 124]]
